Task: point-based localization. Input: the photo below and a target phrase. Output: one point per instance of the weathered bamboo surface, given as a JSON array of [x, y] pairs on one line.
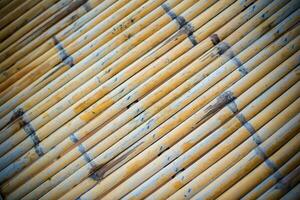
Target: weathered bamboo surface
[[149, 99]]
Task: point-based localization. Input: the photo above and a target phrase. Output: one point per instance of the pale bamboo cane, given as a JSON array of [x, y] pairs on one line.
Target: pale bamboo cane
[[284, 185], [43, 52], [251, 160], [87, 114], [181, 179], [256, 176], [185, 144], [86, 170], [179, 75]]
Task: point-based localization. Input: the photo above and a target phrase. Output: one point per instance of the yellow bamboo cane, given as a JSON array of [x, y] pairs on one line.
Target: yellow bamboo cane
[[12, 90], [106, 130], [268, 183], [151, 99], [162, 176], [138, 162], [284, 185], [46, 103], [41, 33], [288, 150], [35, 57], [108, 59], [36, 15], [59, 20], [86, 115], [181, 179], [256, 176], [12, 15]]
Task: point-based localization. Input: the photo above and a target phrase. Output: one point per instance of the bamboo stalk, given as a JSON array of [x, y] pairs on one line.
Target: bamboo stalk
[[161, 176], [53, 125], [195, 185], [79, 68], [137, 162], [111, 128], [188, 174], [256, 176], [70, 49], [10, 6], [88, 88], [35, 15], [247, 163], [4, 3], [63, 28], [284, 185], [41, 33], [13, 15], [293, 193], [105, 49], [268, 183], [150, 99], [35, 57], [41, 26]]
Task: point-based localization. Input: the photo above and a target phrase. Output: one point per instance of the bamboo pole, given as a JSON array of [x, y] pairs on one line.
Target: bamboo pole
[[69, 50], [10, 6], [247, 163], [53, 125], [13, 15], [137, 162], [80, 92], [63, 162], [130, 44], [256, 176], [188, 174], [35, 58], [293, 193], [59, 165], [4, 3], [284, 185], [26, 37], [268, 183], [195, 185], [46, 103], [41, 33], [159, 177], [186, 98], [41, 11], [62, 28]]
